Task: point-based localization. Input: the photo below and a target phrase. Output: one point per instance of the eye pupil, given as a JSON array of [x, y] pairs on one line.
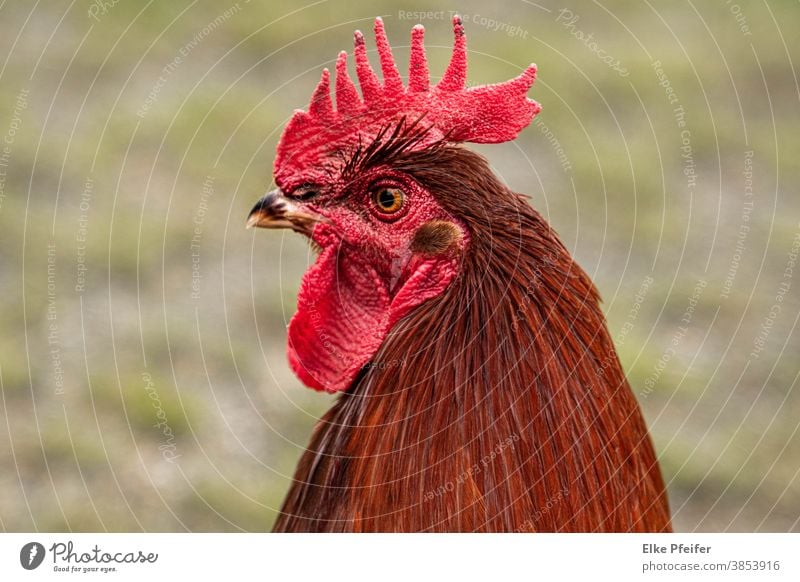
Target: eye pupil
[[388, 200]]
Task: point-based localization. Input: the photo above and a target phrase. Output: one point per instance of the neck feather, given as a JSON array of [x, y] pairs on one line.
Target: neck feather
[[500, 405]]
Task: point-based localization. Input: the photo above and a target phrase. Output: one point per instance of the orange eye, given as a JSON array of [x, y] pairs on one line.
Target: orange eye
[[388, 200]]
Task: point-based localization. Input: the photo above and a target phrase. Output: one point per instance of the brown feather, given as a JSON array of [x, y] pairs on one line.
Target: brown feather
[[505, 407]]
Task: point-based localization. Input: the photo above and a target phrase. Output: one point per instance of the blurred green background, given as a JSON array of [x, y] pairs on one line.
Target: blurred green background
[[144, 382]]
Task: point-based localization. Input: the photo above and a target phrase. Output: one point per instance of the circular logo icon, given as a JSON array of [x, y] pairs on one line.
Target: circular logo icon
[[31, 555]]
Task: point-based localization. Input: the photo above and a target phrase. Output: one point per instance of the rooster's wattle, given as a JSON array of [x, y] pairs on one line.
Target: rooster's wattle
[[480, 390]]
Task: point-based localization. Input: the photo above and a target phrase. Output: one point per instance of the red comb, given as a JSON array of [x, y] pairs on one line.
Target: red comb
[[484, 114]]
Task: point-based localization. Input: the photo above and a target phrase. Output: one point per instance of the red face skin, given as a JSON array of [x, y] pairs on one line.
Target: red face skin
[[368, 275], [366, 278]]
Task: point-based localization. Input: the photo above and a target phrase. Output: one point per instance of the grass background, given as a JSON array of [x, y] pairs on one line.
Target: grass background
[[117, 155]]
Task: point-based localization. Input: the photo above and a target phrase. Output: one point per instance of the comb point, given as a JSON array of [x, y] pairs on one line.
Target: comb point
[[392, 81], [418, 77], [455, 77], [347, 100], [321, 105]]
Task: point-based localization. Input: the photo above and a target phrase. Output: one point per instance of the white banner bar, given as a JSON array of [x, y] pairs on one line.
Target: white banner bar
[[390, 557]]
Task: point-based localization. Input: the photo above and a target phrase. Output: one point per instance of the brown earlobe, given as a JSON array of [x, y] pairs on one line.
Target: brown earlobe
[[436, 237]]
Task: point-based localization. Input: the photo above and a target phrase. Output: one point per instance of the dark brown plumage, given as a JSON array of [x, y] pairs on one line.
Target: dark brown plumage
[[499, 405]]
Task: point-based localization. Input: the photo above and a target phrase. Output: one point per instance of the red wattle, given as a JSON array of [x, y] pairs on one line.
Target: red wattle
[[344, 312]]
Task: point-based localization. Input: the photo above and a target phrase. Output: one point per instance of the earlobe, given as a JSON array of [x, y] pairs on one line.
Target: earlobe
[[436, 237]]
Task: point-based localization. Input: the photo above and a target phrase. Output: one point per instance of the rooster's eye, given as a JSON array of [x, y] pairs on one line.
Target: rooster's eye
[[388, 200]]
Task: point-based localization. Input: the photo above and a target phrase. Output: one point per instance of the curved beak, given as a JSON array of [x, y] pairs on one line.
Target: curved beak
[[274, 210]]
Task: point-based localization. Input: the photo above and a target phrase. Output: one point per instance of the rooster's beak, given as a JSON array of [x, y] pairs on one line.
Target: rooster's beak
[[277, 211]]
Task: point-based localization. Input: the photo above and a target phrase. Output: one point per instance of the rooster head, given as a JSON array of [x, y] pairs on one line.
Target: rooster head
[[386, 242]]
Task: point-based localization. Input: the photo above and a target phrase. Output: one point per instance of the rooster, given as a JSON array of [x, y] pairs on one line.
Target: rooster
[[479, 387]]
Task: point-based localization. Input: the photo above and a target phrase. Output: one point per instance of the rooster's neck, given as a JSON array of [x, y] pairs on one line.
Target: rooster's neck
[[498, 406]]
